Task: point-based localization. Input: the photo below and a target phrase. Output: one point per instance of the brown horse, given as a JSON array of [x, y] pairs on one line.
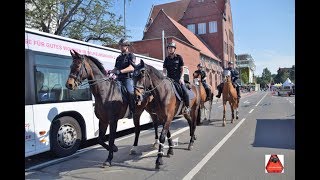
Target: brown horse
[[149, 81], [109, 103], [203, 95], [229, 93]]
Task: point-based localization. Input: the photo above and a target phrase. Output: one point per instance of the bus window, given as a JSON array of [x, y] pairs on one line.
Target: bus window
[[50, 81]]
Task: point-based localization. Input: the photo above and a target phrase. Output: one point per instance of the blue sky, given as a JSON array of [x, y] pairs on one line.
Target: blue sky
[[263, 28]]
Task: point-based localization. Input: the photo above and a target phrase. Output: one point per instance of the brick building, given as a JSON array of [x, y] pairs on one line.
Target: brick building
[[202, 30]]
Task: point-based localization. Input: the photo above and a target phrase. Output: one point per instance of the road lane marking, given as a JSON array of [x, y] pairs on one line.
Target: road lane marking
[[251, 110], [261, 99], [48, 163], [197, 168], [173, 134]]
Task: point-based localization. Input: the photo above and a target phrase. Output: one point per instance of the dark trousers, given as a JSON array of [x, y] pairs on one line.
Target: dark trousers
[[128, 83], [185, 92]]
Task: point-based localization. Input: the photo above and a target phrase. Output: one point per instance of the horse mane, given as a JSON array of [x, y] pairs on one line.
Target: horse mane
[[155, 71], [98, 64]]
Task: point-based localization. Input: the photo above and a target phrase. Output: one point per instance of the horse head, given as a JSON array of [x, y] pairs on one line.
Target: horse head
[[227, 75], [141, 83], [196, 78], [79, 70]]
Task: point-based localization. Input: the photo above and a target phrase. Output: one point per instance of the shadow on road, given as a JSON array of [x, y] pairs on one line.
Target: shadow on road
[[275, 133]]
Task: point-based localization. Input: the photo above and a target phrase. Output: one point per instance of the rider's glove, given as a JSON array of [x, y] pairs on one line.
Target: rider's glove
[[117, 72]]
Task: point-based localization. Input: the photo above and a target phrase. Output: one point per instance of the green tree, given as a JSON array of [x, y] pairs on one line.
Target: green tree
[[85, 20], [292, 74], [244, 76], [281, 76]]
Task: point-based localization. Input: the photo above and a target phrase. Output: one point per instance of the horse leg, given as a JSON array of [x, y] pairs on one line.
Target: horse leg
[[112, 137], [102, 133], [194, 115], [237, 114], [155, 126], [136, 121], [232, 111], [224, 114], [159, 160], [170, 150], [163, 134]]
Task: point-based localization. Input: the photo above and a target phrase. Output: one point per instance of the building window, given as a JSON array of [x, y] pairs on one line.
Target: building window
[[201, 28], [212, 26], [192, 28]]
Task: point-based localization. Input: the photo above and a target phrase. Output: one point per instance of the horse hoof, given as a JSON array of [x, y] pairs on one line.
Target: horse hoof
[[237, 117], [155, 145], [115, 148], [195, 137], [170, 152], [157, 166], [133, 152], [223, 124], [190, 147]]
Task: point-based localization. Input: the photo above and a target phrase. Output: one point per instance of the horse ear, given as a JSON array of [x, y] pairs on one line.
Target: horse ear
[[74, 54], [142, 63]]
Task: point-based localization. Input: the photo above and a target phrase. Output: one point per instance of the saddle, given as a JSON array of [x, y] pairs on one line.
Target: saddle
[[179, 92]]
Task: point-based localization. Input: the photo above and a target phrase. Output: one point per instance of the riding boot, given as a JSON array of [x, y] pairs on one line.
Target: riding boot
[[186, 99], [131, 105], [238, 91], [219, 90], [208, 92]]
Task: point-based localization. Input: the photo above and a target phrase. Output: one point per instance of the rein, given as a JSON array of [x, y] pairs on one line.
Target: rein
[[89, 82]]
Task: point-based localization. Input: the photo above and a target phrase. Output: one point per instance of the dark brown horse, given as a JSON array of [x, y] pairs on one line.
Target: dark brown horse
[[203, 95], [149, 81], [109, 103], [229, 93]]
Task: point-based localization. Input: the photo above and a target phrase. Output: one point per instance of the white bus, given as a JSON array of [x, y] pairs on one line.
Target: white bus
[[56, 117]]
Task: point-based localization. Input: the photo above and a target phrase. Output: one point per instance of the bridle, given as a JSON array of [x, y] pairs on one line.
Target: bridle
[[77, 77], [147, 91]]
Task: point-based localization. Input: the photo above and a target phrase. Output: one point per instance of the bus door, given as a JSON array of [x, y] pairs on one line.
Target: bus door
[[30, 143]]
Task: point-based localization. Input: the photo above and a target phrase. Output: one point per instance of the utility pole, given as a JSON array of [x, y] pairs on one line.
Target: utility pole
[[124, 19]]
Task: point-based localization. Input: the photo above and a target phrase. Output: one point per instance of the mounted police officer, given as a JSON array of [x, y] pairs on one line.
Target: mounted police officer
[[234, 77], [203, 80], [124, 67], [173, 67]]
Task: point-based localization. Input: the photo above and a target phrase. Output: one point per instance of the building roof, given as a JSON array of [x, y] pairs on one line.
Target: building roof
[[174, 9], [194, 40]]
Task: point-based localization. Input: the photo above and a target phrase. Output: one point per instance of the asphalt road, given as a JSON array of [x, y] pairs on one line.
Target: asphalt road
[[266, 125]]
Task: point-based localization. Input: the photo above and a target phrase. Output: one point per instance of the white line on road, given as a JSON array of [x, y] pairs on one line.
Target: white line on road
[[290, 101], [173, 134], [251, 110], [87, 149], [261, 99], [197, 168]]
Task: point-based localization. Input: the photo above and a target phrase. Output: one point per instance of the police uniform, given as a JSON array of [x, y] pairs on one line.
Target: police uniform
[[122, 62], [234, 78], [173, 67]]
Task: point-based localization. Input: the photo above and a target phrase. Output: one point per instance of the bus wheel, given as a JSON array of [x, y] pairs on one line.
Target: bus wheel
[[65, 136]]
